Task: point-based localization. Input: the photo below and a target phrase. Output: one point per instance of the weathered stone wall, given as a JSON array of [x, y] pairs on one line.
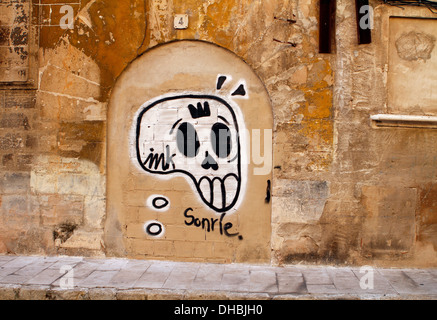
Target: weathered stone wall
[[380, 177], [343, 191]]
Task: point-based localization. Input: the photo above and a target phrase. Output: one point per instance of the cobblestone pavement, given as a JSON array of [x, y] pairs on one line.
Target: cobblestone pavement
[[77, 278]]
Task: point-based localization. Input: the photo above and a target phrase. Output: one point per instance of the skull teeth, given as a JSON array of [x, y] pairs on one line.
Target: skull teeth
[[218, 193]]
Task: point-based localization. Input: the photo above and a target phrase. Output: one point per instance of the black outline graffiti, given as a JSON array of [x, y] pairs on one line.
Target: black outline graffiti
[[165, 164], [209, 162], [153, 224], [156, 158], [166, 202], [199, 111]]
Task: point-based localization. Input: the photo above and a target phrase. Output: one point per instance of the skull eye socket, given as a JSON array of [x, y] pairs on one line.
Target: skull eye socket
[[221, 140], [187, 140]]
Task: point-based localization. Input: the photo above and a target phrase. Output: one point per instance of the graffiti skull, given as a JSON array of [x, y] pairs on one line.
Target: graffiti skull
[[198, 136]]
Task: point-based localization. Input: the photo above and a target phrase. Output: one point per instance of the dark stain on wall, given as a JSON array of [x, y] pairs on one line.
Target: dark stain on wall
[[90, 134]]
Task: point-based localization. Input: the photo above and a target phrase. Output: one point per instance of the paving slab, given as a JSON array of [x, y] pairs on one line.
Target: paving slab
[[155, 276], [78, 270], [126, 279], [263, 281], [400, 282], [291, 283], [97, 279], [209, 277], [21, 261], [6, 259], [33, 269], [45, 277], [107, 264], [379, 284], [181, 277], [235, 282], [316, 276], [66, 261], [322, 289]]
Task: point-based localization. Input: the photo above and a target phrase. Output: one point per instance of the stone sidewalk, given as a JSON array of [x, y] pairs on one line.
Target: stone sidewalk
[[78, 278]]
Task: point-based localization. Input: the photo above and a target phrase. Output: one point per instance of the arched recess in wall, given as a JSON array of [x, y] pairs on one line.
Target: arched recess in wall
[[189, 149]]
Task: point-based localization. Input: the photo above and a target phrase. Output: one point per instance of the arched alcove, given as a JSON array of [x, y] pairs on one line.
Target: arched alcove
[[189, 149]]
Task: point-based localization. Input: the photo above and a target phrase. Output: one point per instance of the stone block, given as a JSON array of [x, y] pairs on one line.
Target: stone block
[[162, 248], [94, 211], [12, 141], [84, 240], [67, 294], [143, 248], [8, 293], [69, 208], [72, 184], [390, 222], [24, 161], [286, 209], [15, 183], [14, 204], [203, 249], [301, 189], [299, 201], [184, 249], [43, 182], [14, 120], [102, 294], [223, 250], [33, 293], [293, 251], [184, 233], [60, 81], [131, 295], [20, 100]]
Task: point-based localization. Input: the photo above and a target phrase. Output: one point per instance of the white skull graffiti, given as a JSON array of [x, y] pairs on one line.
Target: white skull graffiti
[[195, 135]]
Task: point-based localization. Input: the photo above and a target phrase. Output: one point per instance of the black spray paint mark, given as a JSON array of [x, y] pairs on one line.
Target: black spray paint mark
[[268, 195], [155, 159], [208, 224], [187, 140], [154, 229], [240, 91], [221, 80], [199, 111], [159, 202], [188, 148], [209, 162]]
